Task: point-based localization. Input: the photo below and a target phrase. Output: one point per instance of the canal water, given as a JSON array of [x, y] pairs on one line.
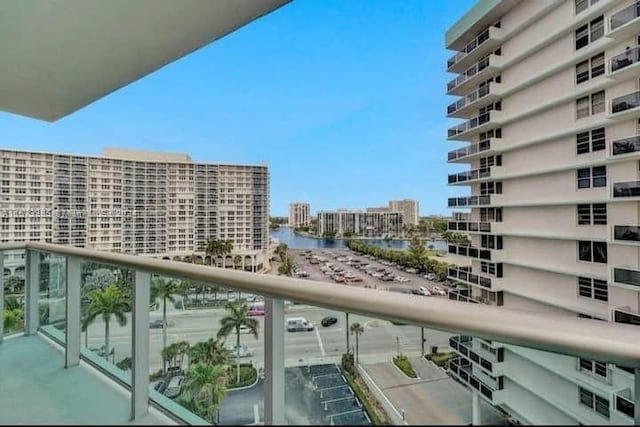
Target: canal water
[[296, 241]]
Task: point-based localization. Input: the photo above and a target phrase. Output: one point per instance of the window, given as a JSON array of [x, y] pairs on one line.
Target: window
[[596, 403], [597, 102], [582, 5], [592, 177], [593, 288], [582, 107], [594, 140], [592, 251], [588, 33], [592, 214], [593, 366], [595, 66], [582, 72]]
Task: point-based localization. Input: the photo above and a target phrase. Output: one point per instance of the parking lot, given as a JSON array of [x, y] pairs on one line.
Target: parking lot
[[364, 271]]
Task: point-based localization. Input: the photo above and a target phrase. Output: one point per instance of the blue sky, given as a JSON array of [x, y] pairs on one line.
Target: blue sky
[[344, 100]]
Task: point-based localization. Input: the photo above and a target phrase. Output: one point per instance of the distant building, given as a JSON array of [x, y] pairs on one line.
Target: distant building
[[357, 222], [299, 214], [379, 209], [410, 209]]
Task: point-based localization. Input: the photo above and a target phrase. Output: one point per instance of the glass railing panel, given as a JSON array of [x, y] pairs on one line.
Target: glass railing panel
[[626, 189], [625, 146], [629, 57], [52, 297], [625, 15], [106, 317], [627, 233], [14, 292], [626, 276], [626, 102]]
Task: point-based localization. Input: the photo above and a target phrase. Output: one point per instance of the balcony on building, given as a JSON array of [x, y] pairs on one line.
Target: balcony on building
[[471, 252], [465, 275], [471, 175], [625, 147], [470, 226], [482, 96], [487, 41], [469, 201], [624, 22], [628, 189], [629, 234], [626, 277], [625, 65], [468, 129], [481, 71], [623, 107], [465, 154]]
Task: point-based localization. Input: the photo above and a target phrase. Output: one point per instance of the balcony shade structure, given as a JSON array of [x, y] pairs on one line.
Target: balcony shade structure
[[61, 55]]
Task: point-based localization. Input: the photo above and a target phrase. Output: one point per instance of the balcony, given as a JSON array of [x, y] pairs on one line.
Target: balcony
[[472, 227], [624, 146], [464, 131], [626, 233], [622, 190], [625, 65], [474, 75], [485, 42], [624, 403], [470, 251], [466, 276], [465, 152], [482, 96], [461, 368], [623, 23], [469, 201], [471, 175], [628, 277], [625, 106]]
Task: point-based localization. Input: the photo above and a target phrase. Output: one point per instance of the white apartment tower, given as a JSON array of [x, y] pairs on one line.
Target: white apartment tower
[[359, 223], [409, 208], [299, 214], [138, 202], [548, 93]]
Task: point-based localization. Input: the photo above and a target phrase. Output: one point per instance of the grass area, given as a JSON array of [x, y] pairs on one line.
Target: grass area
[[371, 405], [441, 359], [404, 364], [248, 375]]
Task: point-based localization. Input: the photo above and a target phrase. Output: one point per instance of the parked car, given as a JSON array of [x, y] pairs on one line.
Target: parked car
[[424, 291], [438, 291], [158, 386], [174, 388], [328, 321]]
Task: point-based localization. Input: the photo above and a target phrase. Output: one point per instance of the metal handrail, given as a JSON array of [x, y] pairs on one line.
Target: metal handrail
[[614, 343]]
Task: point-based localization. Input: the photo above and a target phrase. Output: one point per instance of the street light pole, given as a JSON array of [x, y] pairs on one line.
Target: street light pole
[[347, 331], [422, 342]]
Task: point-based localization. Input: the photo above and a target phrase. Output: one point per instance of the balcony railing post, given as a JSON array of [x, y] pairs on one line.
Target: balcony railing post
[[32, 292], [1, 296], [475, 408], [274, 362], [140, 345], [72, 293], [636, 398]]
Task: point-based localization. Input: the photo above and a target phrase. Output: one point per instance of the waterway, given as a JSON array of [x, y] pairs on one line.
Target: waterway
[[297, 241]]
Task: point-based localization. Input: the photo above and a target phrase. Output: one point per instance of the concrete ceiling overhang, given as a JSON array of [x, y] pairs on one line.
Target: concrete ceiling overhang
[[57, 56]]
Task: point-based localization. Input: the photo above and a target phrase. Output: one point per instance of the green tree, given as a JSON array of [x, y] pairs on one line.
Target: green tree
[[237, 262], [165, 290], [174, 354], [108, 303], [211, 352], [208, 385], [14, 283], [13, 316], [417, 253], [356, 329], [237, 317]]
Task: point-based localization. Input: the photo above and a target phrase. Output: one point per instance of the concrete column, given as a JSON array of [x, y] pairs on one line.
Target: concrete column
[[475, 408], [140, 346], [1, 296], [32, 292], [72, 297], [636, 398], [274, 362]]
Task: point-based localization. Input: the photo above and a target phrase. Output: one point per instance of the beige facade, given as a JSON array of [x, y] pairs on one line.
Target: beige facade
[[299, 214], [409, 208], [548, 94], [136, 202], [357, 222]]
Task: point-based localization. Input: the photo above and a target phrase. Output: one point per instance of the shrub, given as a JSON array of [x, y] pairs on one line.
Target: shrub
[[156, 376], [248, 375], [404, 364], [441, 359], [347, 363]]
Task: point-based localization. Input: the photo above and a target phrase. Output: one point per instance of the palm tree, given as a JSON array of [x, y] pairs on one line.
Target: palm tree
[[357, 329], [237, 261], [208, 385], [108, 302], [13, 317], [174, 354], [238, 317], [211, 352], [226, 246], [165, 290]]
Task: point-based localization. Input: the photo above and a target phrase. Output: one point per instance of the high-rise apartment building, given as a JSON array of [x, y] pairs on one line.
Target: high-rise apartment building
[[299, 214], [548, 93], [409, 208], [357, 222], [137, 202]]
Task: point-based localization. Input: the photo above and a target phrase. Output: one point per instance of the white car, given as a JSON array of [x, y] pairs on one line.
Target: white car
[[438, 291], [424, 291]]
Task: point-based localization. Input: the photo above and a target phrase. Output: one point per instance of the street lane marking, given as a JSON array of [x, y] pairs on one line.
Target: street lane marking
[[320, 343], [256, 413]]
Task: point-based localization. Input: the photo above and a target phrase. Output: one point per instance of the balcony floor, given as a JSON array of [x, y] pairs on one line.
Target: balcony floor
[[37, 389]]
